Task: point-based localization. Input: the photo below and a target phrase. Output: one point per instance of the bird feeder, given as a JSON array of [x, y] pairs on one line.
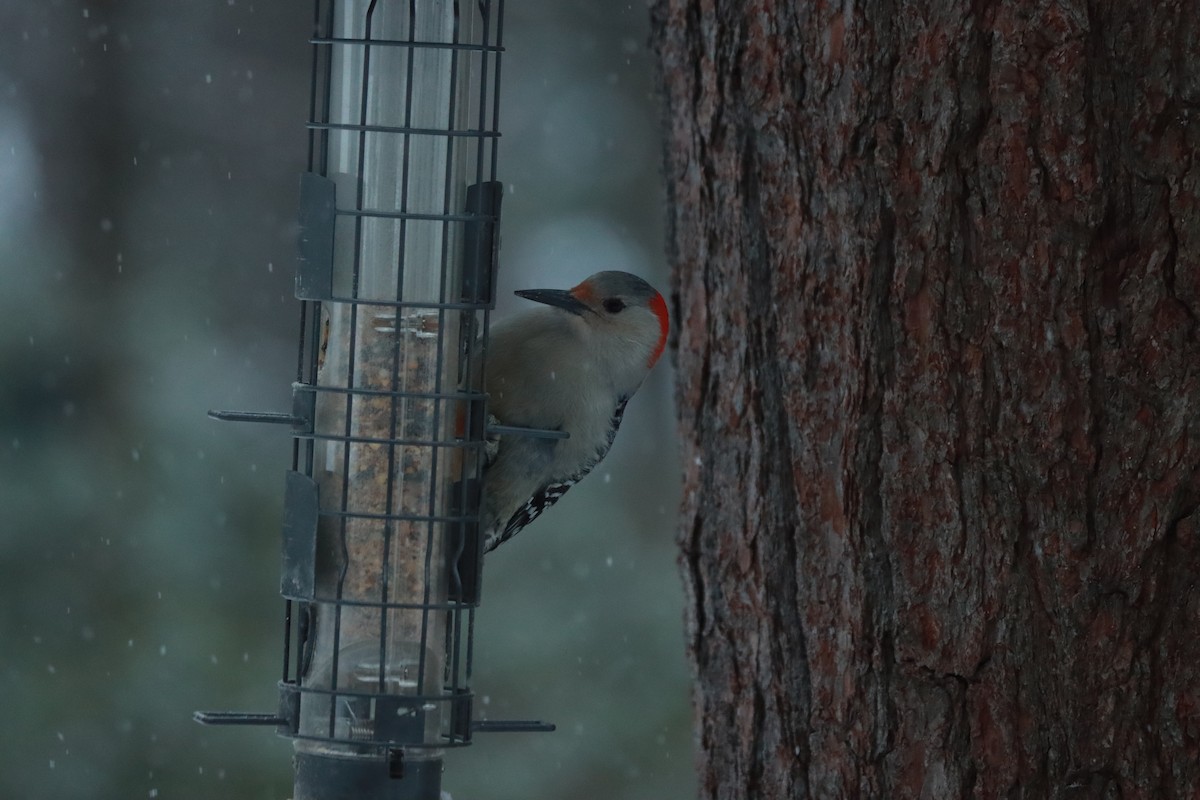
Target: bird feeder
[[381, 546]]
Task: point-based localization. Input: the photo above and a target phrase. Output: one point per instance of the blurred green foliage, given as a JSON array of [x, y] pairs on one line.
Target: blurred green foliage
[[149, 160]]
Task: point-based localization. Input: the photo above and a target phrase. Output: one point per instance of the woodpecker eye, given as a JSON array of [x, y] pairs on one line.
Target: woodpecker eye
[[614, 304]]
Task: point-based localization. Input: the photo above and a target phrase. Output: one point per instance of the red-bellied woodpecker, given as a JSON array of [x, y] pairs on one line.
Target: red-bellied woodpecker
[[570, 367]]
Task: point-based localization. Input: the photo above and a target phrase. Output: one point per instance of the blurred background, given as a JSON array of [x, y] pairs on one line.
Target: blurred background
[[150, 154]]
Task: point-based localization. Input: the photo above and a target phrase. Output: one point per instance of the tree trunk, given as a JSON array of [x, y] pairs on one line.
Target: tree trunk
[[938, 278]]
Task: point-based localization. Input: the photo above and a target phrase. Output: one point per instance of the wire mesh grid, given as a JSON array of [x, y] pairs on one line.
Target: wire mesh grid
[[381, 550]]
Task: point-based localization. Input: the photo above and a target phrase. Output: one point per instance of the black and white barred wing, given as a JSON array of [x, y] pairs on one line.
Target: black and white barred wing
[[550, 494], [542, 499]]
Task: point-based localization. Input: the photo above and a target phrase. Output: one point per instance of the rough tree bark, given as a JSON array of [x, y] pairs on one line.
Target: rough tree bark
[[938, 281]]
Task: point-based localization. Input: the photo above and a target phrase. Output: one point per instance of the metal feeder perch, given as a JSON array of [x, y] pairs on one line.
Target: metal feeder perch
[[381, 549]]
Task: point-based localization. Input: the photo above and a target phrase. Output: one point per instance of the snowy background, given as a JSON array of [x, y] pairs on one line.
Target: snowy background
[[150, 153]]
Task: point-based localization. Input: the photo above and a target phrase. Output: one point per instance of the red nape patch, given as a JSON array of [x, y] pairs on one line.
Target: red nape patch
[[659, 307]]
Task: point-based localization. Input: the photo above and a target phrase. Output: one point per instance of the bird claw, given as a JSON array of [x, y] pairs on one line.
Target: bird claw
[[491, 445]]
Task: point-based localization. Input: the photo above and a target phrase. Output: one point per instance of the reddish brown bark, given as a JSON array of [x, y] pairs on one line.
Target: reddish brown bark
[[938, 274]]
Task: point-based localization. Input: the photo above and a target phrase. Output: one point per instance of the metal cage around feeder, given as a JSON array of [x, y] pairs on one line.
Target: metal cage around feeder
[[381, 549]]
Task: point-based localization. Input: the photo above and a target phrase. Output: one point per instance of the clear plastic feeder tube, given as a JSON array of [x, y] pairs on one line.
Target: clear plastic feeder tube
[[400, 153]]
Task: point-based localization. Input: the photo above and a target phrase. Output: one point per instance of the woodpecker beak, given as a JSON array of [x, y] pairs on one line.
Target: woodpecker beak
[[559, 298]]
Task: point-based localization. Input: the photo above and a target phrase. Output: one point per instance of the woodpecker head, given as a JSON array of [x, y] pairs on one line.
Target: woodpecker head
[[616, 307]]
